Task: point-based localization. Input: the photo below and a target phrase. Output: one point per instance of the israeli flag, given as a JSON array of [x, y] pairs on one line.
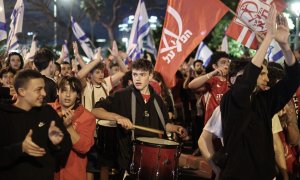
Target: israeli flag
[[3, 33], [140, 29], [82, 38], [203, 53], [16, 25], [149, 46], [275, 53]]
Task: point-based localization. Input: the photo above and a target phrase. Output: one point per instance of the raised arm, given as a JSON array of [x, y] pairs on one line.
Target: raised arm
[[77, 55], [260, 55], [87, 68], [115, 53], [281, 36]]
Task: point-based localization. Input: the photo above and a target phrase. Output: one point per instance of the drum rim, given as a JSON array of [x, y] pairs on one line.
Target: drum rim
[[169, 146]]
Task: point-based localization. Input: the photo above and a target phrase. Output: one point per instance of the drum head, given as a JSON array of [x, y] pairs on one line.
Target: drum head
[[156, 141]]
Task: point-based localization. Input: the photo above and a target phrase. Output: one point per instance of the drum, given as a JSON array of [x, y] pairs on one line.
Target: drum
[[155, 158]]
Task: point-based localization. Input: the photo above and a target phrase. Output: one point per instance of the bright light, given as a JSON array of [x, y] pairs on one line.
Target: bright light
[[101, 40], [123, 27], [29, 33], [125, 39], [153, 19], [289, 20], [153, 26], [130, 19], [295, 7]]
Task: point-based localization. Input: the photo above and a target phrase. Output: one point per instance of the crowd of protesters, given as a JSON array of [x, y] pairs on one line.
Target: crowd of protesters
[[68, 119]]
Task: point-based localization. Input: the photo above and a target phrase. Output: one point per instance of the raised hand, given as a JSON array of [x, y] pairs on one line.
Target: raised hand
[[63, 54], [97, 55], [75, 48], [30, 148], [55, 134], [271, 21], [282, 34], [114, 50]]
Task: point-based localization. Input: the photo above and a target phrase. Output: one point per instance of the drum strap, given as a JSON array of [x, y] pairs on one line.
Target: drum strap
[[160, 115], [133, 112]]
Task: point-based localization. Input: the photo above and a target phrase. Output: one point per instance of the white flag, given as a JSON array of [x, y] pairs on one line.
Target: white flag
[[3, 33], [140, 29], [84, 41], [224, 45], [33, 49], [275, 53], [16, 25], [203, 53]]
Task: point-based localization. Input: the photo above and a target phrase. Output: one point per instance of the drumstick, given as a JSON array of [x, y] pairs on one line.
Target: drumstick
[[144, 128], [148, 129]]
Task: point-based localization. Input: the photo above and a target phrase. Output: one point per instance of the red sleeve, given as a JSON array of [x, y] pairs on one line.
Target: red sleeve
[[85, 129]]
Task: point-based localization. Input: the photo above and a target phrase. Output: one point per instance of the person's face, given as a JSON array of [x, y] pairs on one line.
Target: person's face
[[67, 96], [65, 70], [15, 62], [263, 79], [198, 67], [7, 79], [141, 79], [33, 93], [97, 76], [114, 70], [223, 62]]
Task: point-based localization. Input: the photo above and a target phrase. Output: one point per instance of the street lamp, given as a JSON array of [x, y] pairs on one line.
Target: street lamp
[[55, 23], [295, 7]]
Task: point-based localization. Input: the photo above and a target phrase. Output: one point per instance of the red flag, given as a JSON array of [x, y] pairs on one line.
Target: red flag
[[187, 23], [254, 13]]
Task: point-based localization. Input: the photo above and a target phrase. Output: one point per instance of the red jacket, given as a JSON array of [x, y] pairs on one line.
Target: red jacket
[[84, 124]]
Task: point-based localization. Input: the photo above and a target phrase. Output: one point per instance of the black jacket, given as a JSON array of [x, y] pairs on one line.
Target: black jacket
[[247, 120], [120, 103], [15, 124]]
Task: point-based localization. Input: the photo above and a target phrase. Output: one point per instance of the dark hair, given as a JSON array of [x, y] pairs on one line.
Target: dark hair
[[42, 58], [214, 59], [159, 78], [7, 70], [275, 73], [24, 76], [125, 79], [12, 54], [75, 85], [196, 61], [100, 66], [236, 65], [142, 64]]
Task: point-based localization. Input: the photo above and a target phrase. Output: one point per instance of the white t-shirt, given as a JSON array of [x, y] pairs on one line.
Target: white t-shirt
[[214, 124], [99, 92]]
